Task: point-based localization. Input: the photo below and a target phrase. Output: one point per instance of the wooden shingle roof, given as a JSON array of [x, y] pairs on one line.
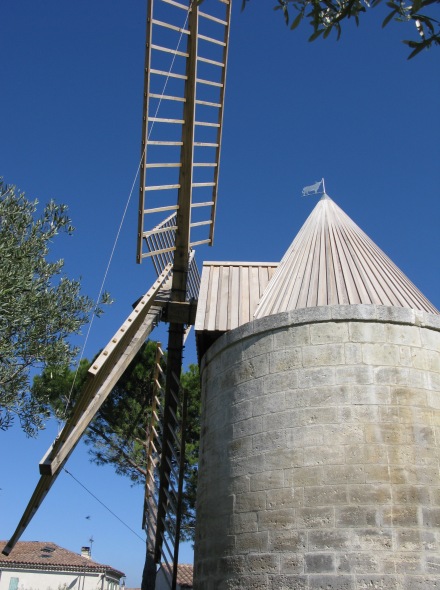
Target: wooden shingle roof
[[333, 262]]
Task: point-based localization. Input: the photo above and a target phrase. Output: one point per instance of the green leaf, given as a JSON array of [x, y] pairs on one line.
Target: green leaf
[[388, 18], [296, 22], [418, 47], [316, 34]]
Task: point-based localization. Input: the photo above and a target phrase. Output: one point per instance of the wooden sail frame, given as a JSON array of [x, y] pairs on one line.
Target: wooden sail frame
[[193, 100], [102, 377]]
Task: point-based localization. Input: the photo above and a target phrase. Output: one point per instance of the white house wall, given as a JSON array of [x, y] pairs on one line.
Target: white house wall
[[43, 580]]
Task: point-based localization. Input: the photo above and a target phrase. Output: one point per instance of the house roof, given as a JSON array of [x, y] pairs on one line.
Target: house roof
[[49, 556], [184, 574]]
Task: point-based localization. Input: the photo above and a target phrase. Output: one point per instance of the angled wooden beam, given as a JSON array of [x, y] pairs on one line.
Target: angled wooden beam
[[51, 468], [102, 377], [105, 372]]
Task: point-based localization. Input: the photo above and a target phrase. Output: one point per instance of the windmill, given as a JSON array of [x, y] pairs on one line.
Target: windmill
[[185, 74]]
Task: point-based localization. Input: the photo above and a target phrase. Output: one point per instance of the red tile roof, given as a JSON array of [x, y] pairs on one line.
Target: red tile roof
[[184, 574], [49, 556]]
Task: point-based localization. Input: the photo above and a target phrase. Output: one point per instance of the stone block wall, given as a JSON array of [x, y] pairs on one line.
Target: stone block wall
[[319, 463]]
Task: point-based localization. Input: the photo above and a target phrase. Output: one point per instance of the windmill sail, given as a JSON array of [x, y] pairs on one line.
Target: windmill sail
[[179, 176], [185, 76], [102, 377]]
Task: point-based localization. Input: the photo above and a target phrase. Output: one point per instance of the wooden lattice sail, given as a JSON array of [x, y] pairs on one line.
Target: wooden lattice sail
[[185, 76]]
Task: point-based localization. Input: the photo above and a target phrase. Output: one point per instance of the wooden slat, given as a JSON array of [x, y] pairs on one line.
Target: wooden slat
[[169, 50], [202, 184], [243, 311], [220, 119], [213, 18], [169, 26], [160, 230], [203, 302], [167, 97], [156, 252], [201, 223], [234, 289], [161, 120], [213, 299], [206, 124], [157, 142], [211, 40], [160, 209], [222, 309], [168, 74], [161, 187], [209, 82], [200, 242], [145, 113], [205, 204], [209, 104], [211, 61], [203, 144], [254, 290], [167, 165], [176, 4]]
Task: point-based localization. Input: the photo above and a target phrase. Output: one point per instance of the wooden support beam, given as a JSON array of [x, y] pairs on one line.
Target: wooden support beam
[[57, 456], [180, 313]]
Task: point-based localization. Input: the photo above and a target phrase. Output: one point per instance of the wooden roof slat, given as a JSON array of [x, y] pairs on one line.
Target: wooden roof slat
[[222, 301], [234, 289], [333, 262], [229, 293]]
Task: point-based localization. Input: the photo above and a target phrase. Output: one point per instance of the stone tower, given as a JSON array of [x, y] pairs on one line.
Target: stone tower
[[320, 445]]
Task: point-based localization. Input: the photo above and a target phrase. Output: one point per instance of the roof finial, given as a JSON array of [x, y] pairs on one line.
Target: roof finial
[[315, 189]]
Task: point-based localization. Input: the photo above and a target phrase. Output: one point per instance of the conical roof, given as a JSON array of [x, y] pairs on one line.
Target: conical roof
[[333, 262]]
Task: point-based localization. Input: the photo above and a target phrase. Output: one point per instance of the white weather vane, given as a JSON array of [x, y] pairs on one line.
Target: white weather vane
[[314, 189]]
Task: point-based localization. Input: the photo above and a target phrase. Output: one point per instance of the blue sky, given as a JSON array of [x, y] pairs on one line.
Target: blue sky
[[355, 112]]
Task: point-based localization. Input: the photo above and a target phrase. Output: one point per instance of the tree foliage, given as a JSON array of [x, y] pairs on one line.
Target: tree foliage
[[40, 308], [328, 15]]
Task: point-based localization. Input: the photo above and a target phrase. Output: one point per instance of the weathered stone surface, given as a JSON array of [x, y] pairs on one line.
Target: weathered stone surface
[[373, 582], [286, 582], [329, 332], [319, 562], [319, 466], [332, 582], [319, 518]]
